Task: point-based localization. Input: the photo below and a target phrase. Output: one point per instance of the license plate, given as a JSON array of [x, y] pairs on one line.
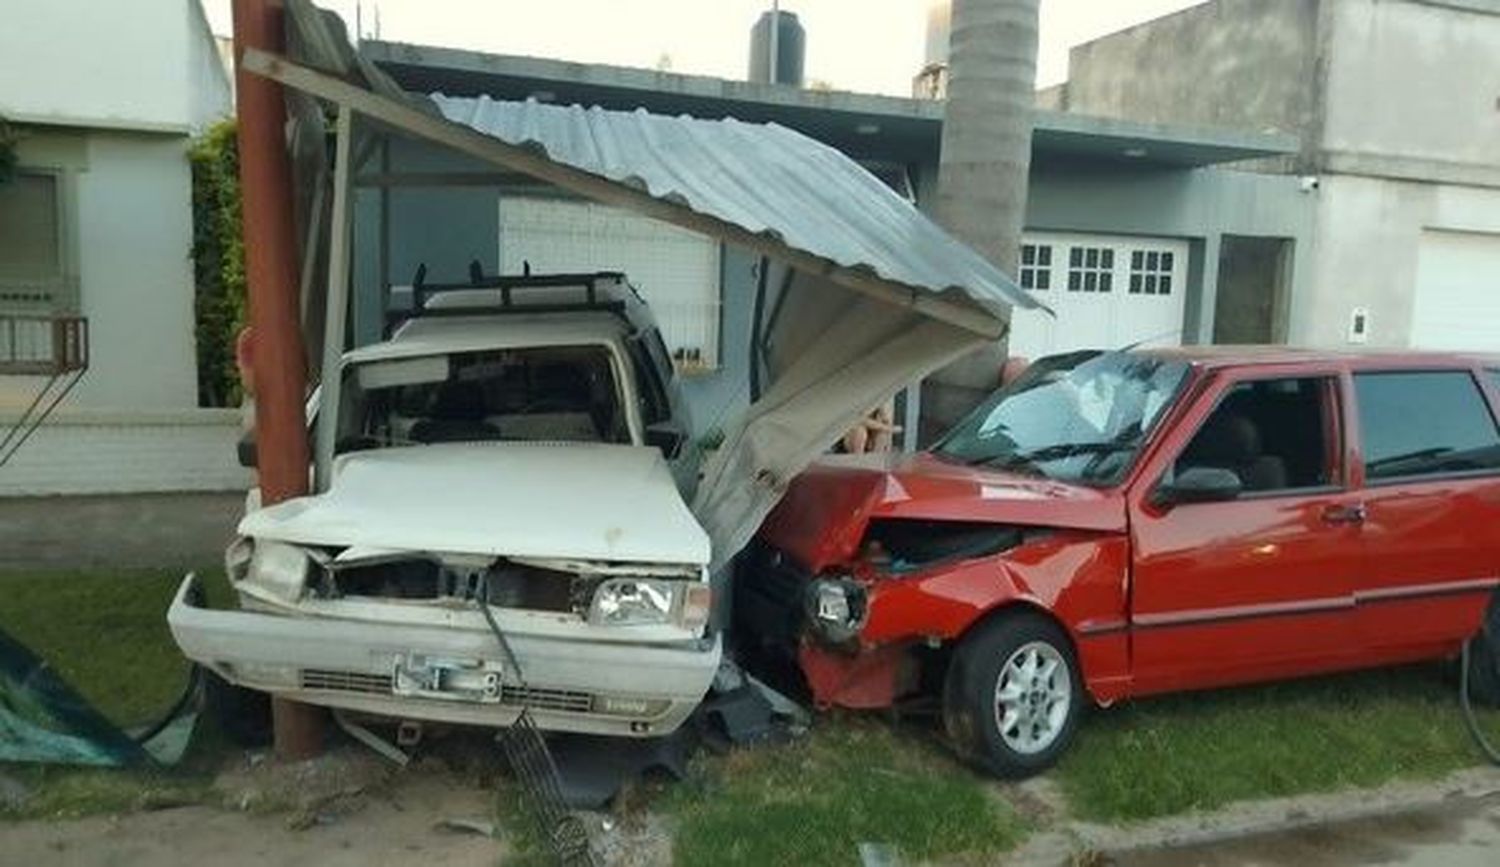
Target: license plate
[[419, 675]]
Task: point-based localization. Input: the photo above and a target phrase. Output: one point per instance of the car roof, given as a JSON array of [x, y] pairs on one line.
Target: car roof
[[1223, 356], [439, 334]]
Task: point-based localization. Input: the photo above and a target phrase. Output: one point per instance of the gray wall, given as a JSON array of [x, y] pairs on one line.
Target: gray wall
[[1245, 64]]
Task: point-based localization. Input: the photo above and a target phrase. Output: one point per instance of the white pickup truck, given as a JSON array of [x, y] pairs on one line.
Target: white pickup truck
[[504, 527]]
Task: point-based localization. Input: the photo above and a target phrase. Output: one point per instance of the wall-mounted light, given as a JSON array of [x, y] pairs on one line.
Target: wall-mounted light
[[1134, 153], [867, 128]]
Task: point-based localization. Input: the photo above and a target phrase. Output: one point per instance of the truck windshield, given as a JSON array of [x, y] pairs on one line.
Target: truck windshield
[[555, 393], [1080, 417]]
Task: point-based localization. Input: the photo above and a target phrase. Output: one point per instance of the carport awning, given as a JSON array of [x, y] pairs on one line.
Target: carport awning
[[763, 178]]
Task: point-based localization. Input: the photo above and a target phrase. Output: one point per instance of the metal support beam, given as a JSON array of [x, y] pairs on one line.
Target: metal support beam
[[341, 228], [412, 121], [271, 275]]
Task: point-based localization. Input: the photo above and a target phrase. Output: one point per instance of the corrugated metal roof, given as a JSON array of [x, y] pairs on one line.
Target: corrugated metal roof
[[763, 178]]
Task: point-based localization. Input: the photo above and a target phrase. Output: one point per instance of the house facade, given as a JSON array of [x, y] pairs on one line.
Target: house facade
[[1125, 228], [1396, 104], [103, 99]]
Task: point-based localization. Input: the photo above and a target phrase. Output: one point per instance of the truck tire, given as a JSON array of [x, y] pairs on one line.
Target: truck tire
[[1013, 695]]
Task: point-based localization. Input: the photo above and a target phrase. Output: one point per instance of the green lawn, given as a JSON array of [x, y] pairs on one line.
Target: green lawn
[[815, 800], [106, 634], [853, 779], [1201, 751]]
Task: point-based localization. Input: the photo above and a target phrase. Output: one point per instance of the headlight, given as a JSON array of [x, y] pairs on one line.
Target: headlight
[[638, 601], [836, 608], [277, 573], [633, 601]]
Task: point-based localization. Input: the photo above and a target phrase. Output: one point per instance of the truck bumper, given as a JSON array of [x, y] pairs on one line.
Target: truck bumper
[[570, 685]]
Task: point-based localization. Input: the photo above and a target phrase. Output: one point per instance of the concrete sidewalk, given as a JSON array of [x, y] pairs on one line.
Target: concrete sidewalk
[[1462, 833], [126, 531]]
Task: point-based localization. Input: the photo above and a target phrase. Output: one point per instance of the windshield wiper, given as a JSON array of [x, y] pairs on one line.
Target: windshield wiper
[[1059, 451]]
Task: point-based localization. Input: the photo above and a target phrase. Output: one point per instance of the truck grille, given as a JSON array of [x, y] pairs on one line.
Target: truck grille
[[538, 697], [346, 681], [547, 699]]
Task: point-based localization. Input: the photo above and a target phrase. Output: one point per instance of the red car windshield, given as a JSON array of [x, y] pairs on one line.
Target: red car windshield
[[1079, 418]]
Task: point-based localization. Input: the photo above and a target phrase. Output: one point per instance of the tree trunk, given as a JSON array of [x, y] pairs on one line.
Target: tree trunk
[[982, 172]]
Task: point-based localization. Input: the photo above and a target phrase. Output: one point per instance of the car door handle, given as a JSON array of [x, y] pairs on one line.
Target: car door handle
[[1341, 515]]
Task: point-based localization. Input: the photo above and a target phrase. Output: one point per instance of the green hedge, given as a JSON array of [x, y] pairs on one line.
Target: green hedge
[[8, 137], [218, 263]]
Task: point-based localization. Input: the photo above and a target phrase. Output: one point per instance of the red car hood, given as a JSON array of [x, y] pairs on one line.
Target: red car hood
[[823, 516]]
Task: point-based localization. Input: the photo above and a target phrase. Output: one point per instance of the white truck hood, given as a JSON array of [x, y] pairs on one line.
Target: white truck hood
[[578, 501]]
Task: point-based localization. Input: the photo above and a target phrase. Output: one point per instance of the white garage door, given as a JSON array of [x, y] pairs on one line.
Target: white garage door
[[1457, 300], [1108, 291], [676, 271]]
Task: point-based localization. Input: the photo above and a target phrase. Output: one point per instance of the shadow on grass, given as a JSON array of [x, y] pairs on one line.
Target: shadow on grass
[[1201, 751]]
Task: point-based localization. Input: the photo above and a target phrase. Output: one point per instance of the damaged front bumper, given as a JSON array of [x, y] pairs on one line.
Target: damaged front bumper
[[455, 672]]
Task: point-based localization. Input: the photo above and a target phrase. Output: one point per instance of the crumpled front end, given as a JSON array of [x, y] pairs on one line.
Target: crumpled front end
[[868, 575], [591, 647]]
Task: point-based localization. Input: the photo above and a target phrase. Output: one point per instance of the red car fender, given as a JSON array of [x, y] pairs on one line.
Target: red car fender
[[1079, 578]]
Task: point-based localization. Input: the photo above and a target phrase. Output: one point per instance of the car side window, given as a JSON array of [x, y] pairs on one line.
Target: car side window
[[652, 397], [1274, 434], [1424, 423]]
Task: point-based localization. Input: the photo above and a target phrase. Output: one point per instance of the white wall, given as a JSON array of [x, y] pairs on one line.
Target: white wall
[[112, 453], [119, 63], [1411, 90], [1365, 252]]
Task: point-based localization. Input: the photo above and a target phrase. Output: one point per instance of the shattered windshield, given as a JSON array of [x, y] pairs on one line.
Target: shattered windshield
[[1080, 417], [554, 393]]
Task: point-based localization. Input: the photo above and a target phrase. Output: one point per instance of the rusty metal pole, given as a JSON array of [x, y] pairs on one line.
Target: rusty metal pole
[[279, 359]]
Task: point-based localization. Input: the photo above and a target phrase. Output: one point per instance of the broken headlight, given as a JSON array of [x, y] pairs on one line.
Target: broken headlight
[[278, 572], [836, 608], [638, 601]]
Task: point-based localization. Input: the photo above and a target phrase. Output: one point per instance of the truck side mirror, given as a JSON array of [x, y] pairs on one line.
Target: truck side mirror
[[666, 436], [1199, 485], [246, 449]]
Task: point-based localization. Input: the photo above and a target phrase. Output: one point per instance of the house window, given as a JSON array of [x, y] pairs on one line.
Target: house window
[[1151, 272], [31, 251], [1036, 266], [1090, 269]]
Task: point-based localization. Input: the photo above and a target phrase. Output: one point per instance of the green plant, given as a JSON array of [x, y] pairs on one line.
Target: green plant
[[9, 136], [218, 263]]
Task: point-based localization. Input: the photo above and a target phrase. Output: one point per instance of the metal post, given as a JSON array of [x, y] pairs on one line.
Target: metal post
[[340, 230], [775, 38], [271, 276]]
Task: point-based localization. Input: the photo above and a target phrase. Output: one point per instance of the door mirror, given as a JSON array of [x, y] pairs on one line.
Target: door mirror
[[666, 436], [1199, 485], [246, 449]]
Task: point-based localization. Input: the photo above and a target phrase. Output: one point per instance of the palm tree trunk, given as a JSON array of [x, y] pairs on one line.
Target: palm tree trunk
[[982, 172]]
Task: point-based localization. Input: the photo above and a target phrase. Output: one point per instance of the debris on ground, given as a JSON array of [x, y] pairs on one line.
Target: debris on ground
[[315, 791], [466, 825]]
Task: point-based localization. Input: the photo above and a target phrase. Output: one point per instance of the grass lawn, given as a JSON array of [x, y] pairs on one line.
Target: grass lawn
[[106, 634], [815, 800], [1201, 751]]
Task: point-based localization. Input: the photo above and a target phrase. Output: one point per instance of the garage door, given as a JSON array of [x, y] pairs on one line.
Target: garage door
[[1107, 291], [675, 270], [1456, 304]]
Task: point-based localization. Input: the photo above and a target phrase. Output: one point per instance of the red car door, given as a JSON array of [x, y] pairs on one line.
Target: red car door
[[1261, 585], [1429, 449]]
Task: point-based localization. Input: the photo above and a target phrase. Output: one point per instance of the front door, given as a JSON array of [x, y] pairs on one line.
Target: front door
[[1430, 452], [1259, 586]]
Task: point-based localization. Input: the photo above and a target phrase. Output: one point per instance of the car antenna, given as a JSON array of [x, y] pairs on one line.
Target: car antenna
[[1171, 332]]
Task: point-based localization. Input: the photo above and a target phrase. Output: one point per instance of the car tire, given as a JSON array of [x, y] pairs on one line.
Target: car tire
[[1013, 695], [1484, 659]]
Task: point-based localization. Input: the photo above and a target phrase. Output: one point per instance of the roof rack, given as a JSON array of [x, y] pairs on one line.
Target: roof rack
[[423, 292]]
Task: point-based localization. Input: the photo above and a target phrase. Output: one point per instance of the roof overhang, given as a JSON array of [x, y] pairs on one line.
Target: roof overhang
[[862, 125]]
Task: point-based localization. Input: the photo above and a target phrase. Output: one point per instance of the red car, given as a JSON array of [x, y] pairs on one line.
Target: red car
[[1121, 524]]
